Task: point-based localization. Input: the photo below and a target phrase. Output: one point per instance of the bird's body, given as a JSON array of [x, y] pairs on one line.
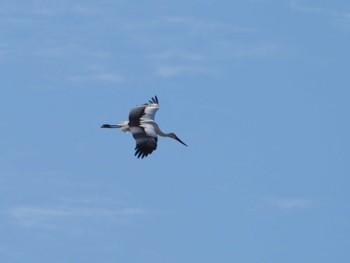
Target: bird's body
[[143, 128]]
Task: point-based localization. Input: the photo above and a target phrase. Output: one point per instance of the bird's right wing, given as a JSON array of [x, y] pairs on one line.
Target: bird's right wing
[[149, 113], [150, 109], [144, 112]]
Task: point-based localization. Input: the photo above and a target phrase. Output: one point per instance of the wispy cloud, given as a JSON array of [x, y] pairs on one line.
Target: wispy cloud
[[111, 77], [102, 77], [191, 49], [171, 71], [44, 8], [260, 50], [340, 18], [176, 55], [297, 6], [44, 216], [187, 23], [289, 204], [198, 26], [179, 62]]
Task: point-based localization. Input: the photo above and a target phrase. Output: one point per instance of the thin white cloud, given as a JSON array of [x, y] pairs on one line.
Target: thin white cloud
[[4, 48], [103, 77], [190, 24], [288, 204], [297, 6], [260, 51], [178, 62], [111, 77], [45, 8], [171, 71], [132, 211], [42, 216], [218, 46], [177, 55], [226, 50], [197, 25], [340, 18]]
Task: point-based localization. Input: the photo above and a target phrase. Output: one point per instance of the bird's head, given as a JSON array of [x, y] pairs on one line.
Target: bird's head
[[173, 135]]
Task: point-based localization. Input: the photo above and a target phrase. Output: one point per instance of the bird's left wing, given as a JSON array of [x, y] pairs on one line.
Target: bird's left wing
[[145, 144]]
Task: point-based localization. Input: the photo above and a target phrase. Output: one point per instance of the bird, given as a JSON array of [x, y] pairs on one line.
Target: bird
[[143, 127]]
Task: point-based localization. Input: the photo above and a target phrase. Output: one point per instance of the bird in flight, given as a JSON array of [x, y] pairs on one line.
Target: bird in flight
[[143, 128]]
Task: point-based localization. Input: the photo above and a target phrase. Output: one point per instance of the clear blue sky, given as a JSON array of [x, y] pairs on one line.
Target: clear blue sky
[[258, 89]]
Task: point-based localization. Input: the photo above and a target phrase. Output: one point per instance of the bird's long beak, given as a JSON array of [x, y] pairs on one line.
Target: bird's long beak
[[178, 139]]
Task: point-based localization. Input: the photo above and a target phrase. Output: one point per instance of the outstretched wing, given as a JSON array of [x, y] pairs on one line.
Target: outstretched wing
[[141, 125], [145, 112], [145, 144], [150, 110]]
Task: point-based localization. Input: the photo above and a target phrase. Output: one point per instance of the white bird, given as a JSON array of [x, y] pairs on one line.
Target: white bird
[[143, 128]]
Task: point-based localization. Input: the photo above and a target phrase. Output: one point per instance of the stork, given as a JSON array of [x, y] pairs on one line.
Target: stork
[[143, 128]]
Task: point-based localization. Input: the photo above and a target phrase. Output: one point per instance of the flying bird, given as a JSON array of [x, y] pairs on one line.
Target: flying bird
[[143, 128]]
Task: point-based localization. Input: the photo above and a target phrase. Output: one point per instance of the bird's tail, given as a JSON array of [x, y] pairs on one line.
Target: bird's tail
[[123, 126]]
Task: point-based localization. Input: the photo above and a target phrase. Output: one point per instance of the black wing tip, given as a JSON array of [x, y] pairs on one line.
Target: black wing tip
[[154, 100], [141, 153]]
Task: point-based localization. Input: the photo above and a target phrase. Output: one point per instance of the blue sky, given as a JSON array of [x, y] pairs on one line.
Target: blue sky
[[258, 89]]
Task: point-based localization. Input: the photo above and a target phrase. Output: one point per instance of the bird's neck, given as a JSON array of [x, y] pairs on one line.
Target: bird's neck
[[160, 133]]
